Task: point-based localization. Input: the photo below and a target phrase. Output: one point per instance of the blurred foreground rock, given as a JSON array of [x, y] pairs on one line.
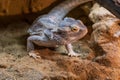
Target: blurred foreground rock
[[53, 66]]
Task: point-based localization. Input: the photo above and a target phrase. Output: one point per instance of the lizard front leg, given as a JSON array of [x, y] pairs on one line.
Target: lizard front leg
[[40, 41], [70, 50]]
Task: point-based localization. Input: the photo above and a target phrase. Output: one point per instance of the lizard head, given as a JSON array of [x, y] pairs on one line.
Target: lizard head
[[72, 29]]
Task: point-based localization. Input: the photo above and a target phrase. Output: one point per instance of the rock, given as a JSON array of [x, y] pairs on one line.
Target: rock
[[87, 70], [29, 74], [27, 10], [105, 38], [53, 66], [4, 76], [98, 13], [16, 7]]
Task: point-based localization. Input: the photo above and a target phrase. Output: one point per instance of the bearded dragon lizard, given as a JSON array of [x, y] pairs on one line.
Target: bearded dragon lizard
[[52, 29]]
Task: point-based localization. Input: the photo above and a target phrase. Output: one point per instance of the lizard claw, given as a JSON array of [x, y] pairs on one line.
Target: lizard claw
[[73, 54], [34, 55]]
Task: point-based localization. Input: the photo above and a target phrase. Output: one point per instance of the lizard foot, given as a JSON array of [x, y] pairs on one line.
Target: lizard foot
[[34, 54], [73, 54]]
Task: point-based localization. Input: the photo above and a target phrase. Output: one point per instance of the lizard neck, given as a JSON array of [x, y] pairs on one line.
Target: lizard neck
[[61, 10]]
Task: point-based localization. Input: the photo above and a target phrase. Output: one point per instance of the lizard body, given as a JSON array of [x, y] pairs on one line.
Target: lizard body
[[51, 30]]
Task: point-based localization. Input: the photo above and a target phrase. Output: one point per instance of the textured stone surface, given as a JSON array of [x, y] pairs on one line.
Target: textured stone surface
[[27, 10], [53, 66], [106, 44], [105, 38], [16, 7]]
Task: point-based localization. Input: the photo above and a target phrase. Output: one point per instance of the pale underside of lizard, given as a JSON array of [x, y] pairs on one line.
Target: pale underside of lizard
[[51, 30]]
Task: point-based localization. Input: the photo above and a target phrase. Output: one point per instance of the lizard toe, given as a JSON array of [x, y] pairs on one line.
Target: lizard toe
[[74, 54], [34, 54]]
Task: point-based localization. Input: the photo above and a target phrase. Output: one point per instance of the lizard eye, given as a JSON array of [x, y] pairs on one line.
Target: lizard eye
[[75, 29]]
